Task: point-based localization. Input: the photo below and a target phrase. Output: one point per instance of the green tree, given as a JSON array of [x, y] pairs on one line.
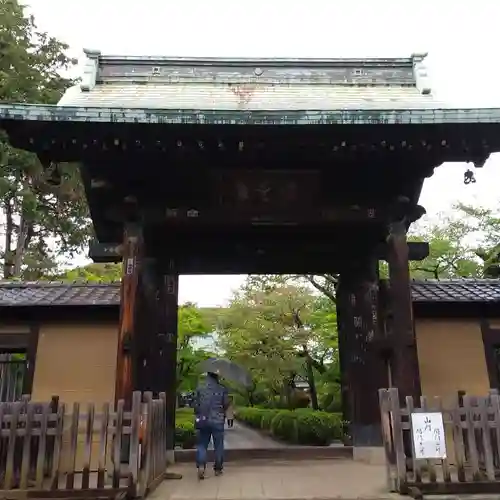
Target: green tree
[[45, 215], [191, 326], [105, 273], [451, 251], [249, 335], [484, 224], [279, 330]]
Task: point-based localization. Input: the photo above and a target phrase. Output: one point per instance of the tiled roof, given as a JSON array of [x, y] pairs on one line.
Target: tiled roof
[[249, 97], [251, 84], [456, 290], [43, 293], [218, 91], [57, 293]]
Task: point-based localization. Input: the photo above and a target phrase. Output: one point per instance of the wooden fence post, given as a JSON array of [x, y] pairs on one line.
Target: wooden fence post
[[75, 423], [103, 445], [164, 430], [58, 446], [117, 443], [397, 431], [134, 437], [44, 458], [384, 401], [146, 472]]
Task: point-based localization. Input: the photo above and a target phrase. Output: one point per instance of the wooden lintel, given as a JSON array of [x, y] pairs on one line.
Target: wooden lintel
[[112, 252], [105, 252], [228, 216], [417, 250]]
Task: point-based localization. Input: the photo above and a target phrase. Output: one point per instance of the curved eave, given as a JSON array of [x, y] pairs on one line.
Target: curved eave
[[46, 113], [405, 62]]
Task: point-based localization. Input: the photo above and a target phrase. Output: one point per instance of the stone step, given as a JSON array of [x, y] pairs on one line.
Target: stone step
[[288, 453]]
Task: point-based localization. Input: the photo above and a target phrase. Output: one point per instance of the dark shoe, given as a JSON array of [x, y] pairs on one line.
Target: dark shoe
[[201, 473], [218, 472]]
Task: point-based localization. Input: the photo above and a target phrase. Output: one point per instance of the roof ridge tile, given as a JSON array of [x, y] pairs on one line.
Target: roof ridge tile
[[102, 293]]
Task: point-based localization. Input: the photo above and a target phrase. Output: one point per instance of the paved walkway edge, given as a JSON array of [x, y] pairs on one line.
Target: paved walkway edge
[[290, 453]]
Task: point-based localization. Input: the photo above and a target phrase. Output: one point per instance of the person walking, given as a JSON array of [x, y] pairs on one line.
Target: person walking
[[211, 404], [230, 414]]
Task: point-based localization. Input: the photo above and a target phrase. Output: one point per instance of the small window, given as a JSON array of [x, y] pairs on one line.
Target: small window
[[156, 70], [358, 72], [13, 368]]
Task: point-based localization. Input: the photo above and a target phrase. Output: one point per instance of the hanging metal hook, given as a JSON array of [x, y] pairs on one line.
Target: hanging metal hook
[[469, 177]]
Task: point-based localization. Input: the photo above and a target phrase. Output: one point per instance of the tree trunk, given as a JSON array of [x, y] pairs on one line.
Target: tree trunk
[[312, 383], [8, 266], [288, 387], [23, 240], [250, 397]]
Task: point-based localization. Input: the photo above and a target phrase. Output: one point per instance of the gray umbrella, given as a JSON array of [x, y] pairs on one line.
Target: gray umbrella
[[228, 370]]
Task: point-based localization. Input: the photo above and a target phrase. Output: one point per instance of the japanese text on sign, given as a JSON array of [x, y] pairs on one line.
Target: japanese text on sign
[[428, 435], [130, 266]]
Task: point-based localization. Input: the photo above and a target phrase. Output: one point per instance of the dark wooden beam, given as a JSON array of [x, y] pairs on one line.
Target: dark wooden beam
[[227, 259], [70, 141], [105, 252], [417, 251], [229, 216], [31, 357]]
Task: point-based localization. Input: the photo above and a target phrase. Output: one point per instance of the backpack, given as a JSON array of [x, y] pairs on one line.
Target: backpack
[[207, 398], [201, 418]]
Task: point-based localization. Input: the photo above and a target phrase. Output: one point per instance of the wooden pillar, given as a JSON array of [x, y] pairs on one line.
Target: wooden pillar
[[132, 249], [167, 346], [404, 359], [363, 368], [159, 285]]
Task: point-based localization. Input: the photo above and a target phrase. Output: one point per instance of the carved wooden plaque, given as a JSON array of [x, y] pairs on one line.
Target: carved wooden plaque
[[267, 193]]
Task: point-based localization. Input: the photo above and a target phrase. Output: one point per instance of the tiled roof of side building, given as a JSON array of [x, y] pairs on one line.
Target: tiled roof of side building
[[456, 290], [57, 293]]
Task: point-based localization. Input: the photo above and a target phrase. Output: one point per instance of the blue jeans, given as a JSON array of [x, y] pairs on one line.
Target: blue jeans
[[216, 433]]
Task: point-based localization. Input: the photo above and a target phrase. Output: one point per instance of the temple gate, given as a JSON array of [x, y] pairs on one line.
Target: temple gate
[[258, 166]]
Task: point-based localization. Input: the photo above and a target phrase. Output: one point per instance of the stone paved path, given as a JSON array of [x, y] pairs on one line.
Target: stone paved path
[[241, 437], [272, 480]]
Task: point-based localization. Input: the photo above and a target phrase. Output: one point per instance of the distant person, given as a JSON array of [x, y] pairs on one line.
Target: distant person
[[230, 413], [210, 406]]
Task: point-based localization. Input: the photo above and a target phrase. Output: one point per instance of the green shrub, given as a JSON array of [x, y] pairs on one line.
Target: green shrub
[[185, 434], [184, 414], [284, 426], [267, 419], [251, 416], [301, 426], [318, 428], [184, 411]]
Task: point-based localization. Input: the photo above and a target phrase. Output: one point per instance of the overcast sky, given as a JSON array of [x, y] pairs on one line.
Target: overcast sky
[[461, 38]]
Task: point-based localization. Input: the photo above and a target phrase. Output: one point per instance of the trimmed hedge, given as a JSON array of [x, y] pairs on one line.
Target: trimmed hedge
[[185, 432], [300, 426]]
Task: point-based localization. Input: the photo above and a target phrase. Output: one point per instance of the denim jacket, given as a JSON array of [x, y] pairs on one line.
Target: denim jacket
[[211, 401]]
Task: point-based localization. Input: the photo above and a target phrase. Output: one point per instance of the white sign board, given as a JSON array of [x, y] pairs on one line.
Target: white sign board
[[428, 435]]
